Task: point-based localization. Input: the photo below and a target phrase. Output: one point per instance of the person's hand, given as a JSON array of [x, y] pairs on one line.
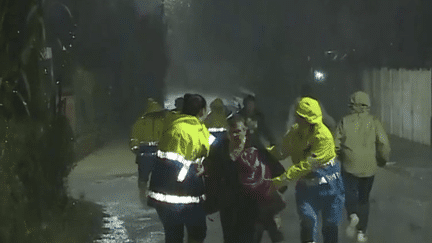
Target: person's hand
[[278, 183], [135, 150], [283, 189], [201, 170], [274, 151], [314, 163]]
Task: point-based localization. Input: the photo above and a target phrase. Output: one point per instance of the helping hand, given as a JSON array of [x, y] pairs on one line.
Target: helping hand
[[201, 170], [279, 183]]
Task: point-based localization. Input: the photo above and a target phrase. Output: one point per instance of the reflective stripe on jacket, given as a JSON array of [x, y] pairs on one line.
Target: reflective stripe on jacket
[[185, 142], [167, 180], [147, 130]]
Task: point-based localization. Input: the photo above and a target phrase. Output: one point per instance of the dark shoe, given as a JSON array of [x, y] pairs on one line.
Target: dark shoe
[[277, 237]]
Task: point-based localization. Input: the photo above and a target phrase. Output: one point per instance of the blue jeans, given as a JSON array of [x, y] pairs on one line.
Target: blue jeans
[[218, 136], [175, 217], [357, 197], [327, 198]]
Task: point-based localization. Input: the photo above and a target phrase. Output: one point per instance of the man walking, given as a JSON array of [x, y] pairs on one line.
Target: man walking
[[362, 145], [143, 142]]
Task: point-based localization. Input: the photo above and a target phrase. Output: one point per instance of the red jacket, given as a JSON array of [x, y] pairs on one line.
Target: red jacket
[[255, 178]]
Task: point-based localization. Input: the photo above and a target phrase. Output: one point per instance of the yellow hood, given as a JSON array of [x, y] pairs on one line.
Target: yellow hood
[[217, 104], [153, 106], [309, 109], [360, 102]]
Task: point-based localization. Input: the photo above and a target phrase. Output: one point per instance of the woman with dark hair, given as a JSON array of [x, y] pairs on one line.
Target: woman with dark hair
[[176, 188]]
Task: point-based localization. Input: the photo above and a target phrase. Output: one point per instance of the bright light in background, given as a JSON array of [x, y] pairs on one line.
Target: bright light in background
[[229, 100], [319, 76]]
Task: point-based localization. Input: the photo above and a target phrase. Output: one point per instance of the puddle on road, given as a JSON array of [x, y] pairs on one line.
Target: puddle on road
[[115, 178], [115, 229], [155, 237]]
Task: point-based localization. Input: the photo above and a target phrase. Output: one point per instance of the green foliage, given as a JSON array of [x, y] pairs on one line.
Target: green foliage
[[36, 144]]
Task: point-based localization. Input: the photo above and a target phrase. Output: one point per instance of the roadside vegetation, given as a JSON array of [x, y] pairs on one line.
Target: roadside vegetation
[[36, 140]]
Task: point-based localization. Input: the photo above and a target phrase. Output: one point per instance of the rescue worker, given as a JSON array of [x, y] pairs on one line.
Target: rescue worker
[[319, 184], [216, 121], [144, 139], [176, 189], [362, 145], [306, 91], [237, 187]]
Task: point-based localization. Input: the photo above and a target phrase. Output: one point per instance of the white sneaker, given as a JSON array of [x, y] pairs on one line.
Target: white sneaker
[[361, 236], [351, 229]]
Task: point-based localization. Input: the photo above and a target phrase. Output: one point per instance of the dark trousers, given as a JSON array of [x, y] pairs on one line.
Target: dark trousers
[[238, 222], [267, 223], [145, 159], [357, 191], [175, 217]]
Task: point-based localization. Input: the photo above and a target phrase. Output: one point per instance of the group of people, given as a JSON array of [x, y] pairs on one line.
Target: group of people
[[201, 164]]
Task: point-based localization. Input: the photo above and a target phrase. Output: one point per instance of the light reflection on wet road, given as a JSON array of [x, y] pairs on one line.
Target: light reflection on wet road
[[401, 207], [126, 221]]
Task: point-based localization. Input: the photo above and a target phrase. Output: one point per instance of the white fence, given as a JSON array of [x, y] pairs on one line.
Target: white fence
[[402, 100]]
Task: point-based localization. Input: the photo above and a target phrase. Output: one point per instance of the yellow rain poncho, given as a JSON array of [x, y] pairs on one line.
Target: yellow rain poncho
[[217, 117], [309, 146], [148, 128], [187, 136]]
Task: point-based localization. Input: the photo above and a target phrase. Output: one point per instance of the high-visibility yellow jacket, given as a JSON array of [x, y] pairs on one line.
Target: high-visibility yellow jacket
[[148, 128], [185, 135], [216, 121], [308, 147], [184, 143]]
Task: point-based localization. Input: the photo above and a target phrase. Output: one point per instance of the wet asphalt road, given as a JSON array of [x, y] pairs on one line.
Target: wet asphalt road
[[401, 209]]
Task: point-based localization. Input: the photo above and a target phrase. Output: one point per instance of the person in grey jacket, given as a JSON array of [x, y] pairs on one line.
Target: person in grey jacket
[[362, 146]]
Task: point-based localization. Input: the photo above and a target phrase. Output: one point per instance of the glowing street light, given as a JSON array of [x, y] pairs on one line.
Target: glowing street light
[[319, 76]]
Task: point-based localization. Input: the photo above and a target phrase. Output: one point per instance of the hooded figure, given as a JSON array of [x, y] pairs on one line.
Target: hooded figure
[[143, 142], [317, 172], [216, 121], [360, 102], [148, 127], [362, 145], [306, 91], [360, 138], [153, 106]]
